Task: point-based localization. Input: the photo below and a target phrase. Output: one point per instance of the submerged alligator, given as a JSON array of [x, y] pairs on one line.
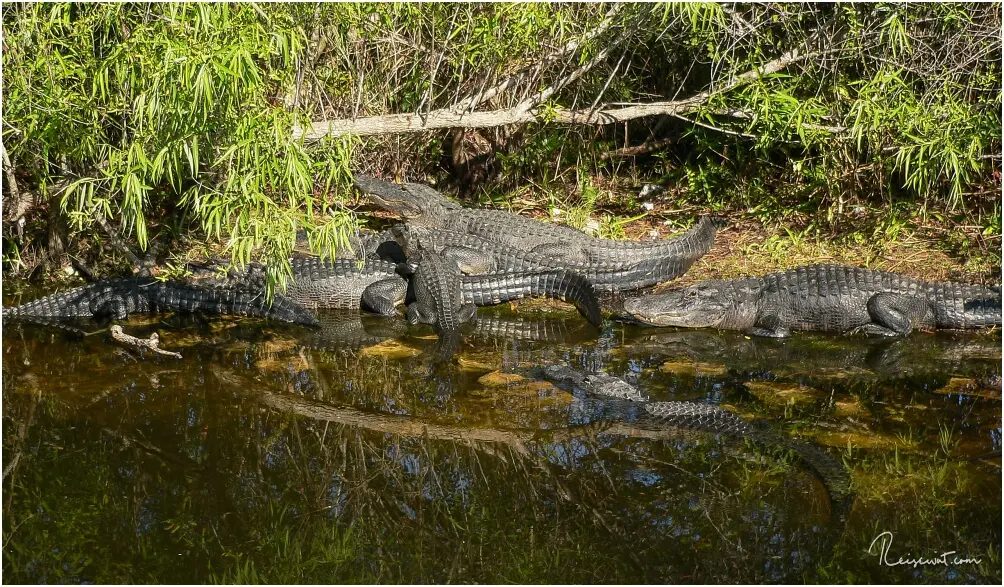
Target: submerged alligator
[[422, 206], [707, 418], [825, 298], [117, 298]]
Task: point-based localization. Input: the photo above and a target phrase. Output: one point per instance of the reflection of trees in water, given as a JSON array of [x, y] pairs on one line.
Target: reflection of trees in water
[[173, 460], [248, 476]]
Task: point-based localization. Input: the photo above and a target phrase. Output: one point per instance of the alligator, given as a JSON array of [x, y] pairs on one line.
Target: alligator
[[704, 417], [439, 279], [439, 300], [117, 298], [378, 286], [824, 298], [476, 255], [423, 206], [333, 284]]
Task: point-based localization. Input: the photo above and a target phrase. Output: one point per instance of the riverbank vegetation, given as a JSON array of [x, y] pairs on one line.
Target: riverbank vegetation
[[133, 133]]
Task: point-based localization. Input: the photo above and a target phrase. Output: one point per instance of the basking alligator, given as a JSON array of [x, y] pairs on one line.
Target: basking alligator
[[440, 288], [377, 286], [117, 298], [439, 300], [475, 255], [421, 205], [335, 284], [704, 417], [822, 297]]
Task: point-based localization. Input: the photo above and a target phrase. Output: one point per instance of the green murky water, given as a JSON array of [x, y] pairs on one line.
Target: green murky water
[[283, 455]]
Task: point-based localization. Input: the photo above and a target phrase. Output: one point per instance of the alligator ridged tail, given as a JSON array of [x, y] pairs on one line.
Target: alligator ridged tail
[[141, 295], [181, 297], [688, 247], [830, 470], [491, 289], [674, 259], [962, 305]]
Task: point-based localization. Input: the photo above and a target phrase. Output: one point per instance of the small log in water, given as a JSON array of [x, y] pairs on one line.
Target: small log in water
[[152, 343]]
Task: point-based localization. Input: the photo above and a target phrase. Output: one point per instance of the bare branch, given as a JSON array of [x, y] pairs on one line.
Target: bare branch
[[642, 149], [116, 241], [527, 111], [21, 205], [152, 343]]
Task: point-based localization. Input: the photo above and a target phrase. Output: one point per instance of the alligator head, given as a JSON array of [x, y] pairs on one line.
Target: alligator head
[[414, 203], [708, 304]]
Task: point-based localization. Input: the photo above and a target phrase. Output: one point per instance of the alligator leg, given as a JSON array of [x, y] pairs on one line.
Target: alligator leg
[[875, 329], [562, 251], [466, 313], [383, 296], [416, 314], [114, 307], [897, 312], [769, 326], [468, 261]]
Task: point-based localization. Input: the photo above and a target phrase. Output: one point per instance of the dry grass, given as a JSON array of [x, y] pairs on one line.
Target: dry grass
[[750, 249]]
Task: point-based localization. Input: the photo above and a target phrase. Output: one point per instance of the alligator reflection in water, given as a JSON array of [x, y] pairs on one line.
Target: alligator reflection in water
[[341, 456]]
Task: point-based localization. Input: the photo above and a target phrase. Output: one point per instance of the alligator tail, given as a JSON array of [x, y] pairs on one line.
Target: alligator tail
[[132, 295], [175, 296], [491, 289], [697, 241], [66, 304], [831, 471]]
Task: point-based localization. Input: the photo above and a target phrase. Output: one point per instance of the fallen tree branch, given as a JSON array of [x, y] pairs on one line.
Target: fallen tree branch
[[526, 112], [152, 343]]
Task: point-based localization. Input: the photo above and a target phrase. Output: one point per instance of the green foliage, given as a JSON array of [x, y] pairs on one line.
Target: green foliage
[[180, 114], [173, 106], [578, 215]]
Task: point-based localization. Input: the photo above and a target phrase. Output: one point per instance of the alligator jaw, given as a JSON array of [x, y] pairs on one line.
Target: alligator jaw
[[397, 198], [653, 311]]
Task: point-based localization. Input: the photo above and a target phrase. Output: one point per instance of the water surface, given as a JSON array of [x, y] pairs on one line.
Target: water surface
[[352, 455]]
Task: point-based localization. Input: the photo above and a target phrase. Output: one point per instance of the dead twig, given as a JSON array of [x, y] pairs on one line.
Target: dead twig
[[152, 343], [117, 242], [642, 149], [20, 204]]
